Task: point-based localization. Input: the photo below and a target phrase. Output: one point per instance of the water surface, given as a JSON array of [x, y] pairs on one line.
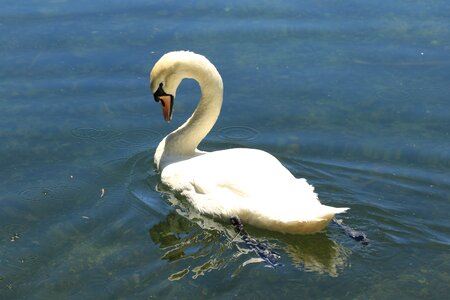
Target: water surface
[[353, 96]]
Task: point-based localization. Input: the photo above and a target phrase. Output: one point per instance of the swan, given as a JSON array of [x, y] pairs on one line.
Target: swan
[[248, 183]]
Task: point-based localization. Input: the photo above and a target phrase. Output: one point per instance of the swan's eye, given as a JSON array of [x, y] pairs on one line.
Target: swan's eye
[[159, 92]]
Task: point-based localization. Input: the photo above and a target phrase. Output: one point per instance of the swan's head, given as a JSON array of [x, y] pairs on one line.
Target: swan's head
[[165, 78], [171, 69]]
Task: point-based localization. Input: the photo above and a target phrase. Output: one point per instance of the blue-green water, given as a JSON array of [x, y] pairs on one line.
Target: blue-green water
[[352, 95]]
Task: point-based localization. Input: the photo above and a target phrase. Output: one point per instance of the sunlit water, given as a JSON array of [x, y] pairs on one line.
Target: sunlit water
[[352, 95]]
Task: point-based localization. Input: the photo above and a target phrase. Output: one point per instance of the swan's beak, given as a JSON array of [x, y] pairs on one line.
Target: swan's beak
[[167, 106], [166, 103]]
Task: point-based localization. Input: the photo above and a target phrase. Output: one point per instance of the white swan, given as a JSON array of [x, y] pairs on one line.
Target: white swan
[[249, 183]]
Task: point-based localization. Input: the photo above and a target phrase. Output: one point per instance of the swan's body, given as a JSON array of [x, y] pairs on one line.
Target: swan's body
[[249, 183]]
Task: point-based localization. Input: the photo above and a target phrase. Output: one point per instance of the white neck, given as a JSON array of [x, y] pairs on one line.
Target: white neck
[[182, 143]]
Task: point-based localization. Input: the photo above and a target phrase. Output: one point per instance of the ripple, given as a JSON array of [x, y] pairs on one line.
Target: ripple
[[310, 168], [53, 198], [178, 275], [134, 137], [92, 133], [113, 168], [142, 182], [238, 133], [48, 193], [148, 200], [38, 194]]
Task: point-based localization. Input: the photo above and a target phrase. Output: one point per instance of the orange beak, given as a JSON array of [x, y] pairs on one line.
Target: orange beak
[[167, 106]]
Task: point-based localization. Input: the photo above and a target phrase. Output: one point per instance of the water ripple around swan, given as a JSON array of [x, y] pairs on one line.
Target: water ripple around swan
[[238, 133]]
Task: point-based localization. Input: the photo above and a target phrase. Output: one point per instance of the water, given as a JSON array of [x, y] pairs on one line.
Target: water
[[352, 95]]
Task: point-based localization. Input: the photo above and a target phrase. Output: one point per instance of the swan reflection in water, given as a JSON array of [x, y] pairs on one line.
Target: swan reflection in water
[[213, 245]]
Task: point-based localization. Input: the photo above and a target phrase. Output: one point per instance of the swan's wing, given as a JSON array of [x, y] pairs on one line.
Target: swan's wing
[[244, 178], [242, 171]]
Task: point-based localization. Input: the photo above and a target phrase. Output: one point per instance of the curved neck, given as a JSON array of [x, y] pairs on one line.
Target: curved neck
[[182, 143]]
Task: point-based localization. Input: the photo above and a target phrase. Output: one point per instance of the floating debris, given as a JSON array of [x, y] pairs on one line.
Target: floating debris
[[102, 192], [85, 217], [15, 237]]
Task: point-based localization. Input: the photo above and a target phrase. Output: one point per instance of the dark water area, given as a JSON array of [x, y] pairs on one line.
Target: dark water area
[[354, 96]]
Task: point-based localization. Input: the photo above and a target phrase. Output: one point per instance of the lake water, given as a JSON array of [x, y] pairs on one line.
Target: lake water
[[352, 95]]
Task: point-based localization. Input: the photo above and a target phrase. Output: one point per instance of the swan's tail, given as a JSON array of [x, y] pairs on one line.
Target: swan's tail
[[320, 220], [313, 222], [328, 212]]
